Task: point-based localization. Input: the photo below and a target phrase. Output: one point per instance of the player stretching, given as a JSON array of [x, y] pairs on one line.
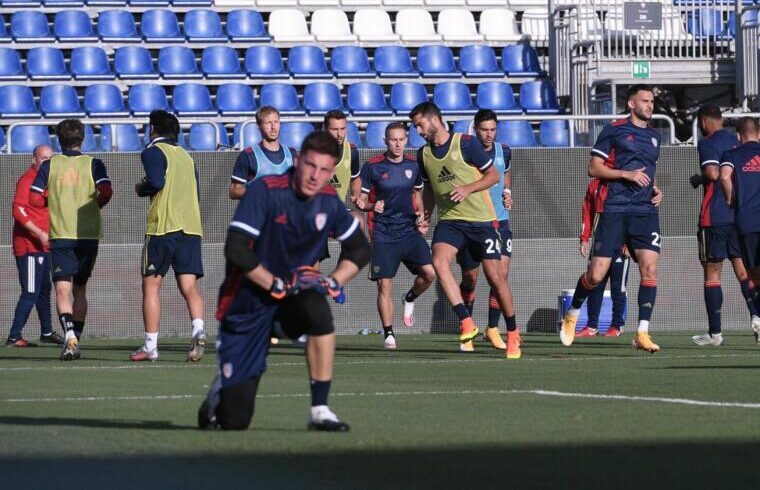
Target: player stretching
[[501, 197], [391, 182], [173, 233], [460, 173], [280, 225], [718, 238], [625, 158], [740, 182], [78, 187]]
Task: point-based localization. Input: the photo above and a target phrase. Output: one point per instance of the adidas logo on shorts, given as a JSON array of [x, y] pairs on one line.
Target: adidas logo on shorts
[[445, 175]]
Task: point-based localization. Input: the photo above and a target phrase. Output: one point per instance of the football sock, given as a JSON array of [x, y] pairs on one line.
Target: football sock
[[582, 290], [319, 392], [643, 326], [494, 312], [387, 331], [754, 293], [461, 311], [746, 292], [594, 305], [67, 322], [197, 326], [647, 295], [511, 323], [468, 297], [410, 296], [78, 328], [151, 341], [713, 302]]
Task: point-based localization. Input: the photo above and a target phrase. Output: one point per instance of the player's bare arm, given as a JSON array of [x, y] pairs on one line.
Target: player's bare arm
[[488, 179], [597, 168], [237, 191], [726, 182], [507, 194]]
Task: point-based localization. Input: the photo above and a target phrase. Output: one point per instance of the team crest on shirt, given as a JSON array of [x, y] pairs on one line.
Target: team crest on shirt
[[408, 174], [654, 142], [227, 370], [40, 260], [320, 220]]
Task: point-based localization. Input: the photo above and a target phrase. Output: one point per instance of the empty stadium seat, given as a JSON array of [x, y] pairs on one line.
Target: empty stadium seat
[[146, 97], [203, 25], [89, 144], [134, 63], [453, 98], [538, 97], [375, 134], [117, 26], [192, 99], [289, 25], [292, 134], [554, 133], [73, 26], [415, 25], [30, 26], [535, 23], [178, 62], [46, 64], [203, 137], [246, 26], [367, 99], [25, 138], [352, 134], [497, 96], [251, 135], [394, 62], [321, 97], [458, 25], [415, 140], [499, 25], [307, 62], [464, 126], [104, 100], [350, 62], [283, 97], [331, 25], [106, 3], [17, 101], [192, 3], [4, 36], [479, 61], [160, 25], [437, 61], [705, 23], [124, 138], [277, 3], [90, 63], [521, 60], [21, 3], [235, 99], [221, 62], [264, 62], [2, 139], [373, 25], [149, 3], [234, 3], [60, 101], [10, 65], [406, 95], [515, 134]]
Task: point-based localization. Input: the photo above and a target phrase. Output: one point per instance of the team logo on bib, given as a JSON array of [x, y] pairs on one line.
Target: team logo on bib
[[654, 142], [320, 220], [408, 174]]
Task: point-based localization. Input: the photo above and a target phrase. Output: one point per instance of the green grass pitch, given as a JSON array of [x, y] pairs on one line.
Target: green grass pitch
[[596, 415]]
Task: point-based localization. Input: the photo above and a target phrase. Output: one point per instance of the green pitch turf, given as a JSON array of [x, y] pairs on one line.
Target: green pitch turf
[[596, 415]]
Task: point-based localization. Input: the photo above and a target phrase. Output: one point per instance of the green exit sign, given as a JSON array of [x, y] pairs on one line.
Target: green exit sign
[[640, 69]]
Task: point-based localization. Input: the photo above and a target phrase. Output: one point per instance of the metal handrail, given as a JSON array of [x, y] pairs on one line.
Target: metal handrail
[[728, 115]]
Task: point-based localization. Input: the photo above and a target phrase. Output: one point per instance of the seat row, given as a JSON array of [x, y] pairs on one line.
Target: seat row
[[204, 137], [266, 62], [515, 4], [235, 99], [285, 25]]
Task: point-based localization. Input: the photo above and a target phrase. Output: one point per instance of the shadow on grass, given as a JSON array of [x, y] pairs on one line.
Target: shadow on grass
[[92, 423]]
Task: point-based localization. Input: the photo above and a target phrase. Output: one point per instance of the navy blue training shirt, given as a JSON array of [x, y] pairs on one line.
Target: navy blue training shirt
[[472, 151], [745, 160], [246, 167], [714, 210]]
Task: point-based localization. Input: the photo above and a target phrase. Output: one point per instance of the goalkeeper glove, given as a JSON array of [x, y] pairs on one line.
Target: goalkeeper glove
[[696, 180]]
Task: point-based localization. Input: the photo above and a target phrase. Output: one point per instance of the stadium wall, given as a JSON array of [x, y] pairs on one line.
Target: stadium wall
[[549, 185]]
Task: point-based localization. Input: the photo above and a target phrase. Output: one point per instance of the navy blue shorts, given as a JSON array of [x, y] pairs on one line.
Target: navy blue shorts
[[640, 231], [750, 246], [177, 250], [468, 262], [718, 243], [34, 273], [74, 262], [481, 240], [413, 251]]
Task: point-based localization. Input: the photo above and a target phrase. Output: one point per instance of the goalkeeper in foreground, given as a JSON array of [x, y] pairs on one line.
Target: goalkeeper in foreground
[[277, 233]]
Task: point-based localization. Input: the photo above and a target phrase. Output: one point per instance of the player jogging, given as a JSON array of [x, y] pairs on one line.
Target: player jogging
[[625, 159], [281, 226], [78, 187], [501, 197], [740, 182], [173, 233], [347, 170], [460, 173], [717, 236], [391, 192]]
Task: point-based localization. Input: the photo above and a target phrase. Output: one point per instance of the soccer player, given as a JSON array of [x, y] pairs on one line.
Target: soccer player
[[173, 233], [268, 157], [625, 159], [77, 188], [31, 227], [501, 198], [391, 193], [740, 183], [618, 274], [281, 225], [347, 171], [460, 174], [717, 236]]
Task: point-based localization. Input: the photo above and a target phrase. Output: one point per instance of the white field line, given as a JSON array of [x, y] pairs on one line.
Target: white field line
[[536, 392]]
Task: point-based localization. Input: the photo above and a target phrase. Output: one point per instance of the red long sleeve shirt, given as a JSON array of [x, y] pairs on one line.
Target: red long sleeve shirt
[[593, 203], [24, 242]]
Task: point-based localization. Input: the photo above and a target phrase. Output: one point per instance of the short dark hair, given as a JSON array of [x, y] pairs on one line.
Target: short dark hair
[[635, 89], [264, 111], [70, 133], [164, 124], [747, 125], [394, 125], [321, 142], [484, 115], [710, 111], [427, 109], [334, 114]]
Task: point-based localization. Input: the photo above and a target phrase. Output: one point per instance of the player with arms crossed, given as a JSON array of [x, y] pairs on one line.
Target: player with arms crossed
[[717, 236], [460, 173], [625, 159], [391, 193], [280, 226]]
